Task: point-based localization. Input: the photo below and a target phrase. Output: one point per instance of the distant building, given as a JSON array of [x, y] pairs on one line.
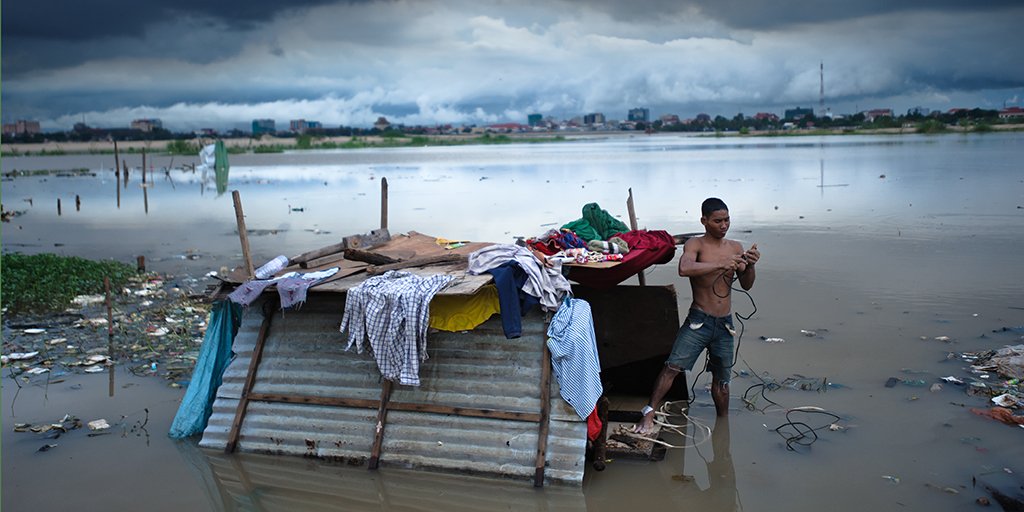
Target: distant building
[[263, 126], [1011, 113], [766, 116], [592, 119], [701, 118], [146, 125], [534, 119], [919, 111], [302, 126], [639, 115], [507, 127], [795, 114], [382, 123], [21, 127], [669, 119], [871, 115]]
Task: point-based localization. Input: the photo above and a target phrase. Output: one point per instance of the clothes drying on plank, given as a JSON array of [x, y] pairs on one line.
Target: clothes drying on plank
[[455, 313], [574, 357], [546, 283], [292, 287], [390, 313]]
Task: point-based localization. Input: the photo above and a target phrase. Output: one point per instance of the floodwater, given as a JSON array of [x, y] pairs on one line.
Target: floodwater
[[880, 244]]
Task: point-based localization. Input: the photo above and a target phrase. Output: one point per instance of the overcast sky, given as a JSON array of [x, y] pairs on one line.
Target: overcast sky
[[220, 64]]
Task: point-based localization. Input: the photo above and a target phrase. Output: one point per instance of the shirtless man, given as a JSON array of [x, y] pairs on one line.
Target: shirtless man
[[711, 262]]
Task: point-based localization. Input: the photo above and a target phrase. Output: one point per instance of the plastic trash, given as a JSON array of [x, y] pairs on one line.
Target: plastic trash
[[271, 267]]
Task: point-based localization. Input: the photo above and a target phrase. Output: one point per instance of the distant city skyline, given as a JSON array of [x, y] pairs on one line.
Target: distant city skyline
[[197, 65]]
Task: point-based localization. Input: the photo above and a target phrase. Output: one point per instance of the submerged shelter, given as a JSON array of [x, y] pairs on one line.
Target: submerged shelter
[[486, 404]]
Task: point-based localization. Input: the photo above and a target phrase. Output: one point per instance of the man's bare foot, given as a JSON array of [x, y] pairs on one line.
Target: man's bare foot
[[646, 425]]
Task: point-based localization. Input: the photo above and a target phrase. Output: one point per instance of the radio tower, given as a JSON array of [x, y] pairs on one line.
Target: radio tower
[[821, 90]]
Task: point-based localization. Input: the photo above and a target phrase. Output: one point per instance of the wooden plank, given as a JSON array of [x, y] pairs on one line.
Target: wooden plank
[[363, 403], [545, 417], [269, 309], [374, 270], [369, 257], [243, 236], [372, 239], [382, 418], [633, 226]]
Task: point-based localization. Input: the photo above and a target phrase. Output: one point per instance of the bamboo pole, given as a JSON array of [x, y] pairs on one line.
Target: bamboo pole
[[110, 336], [269, 310], [143, 167], [633, 226], [545, 417], [382, 418], [58, 207], [243, 235], [383, 203], [117, 162], [124, 163]]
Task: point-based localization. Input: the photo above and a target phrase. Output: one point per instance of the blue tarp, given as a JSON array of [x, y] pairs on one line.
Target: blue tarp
[[197, 405]]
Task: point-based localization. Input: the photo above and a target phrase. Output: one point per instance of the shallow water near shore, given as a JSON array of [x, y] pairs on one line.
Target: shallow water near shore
[[880, 244]]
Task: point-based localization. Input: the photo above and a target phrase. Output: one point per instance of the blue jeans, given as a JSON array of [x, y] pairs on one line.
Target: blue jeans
[[699, 331]]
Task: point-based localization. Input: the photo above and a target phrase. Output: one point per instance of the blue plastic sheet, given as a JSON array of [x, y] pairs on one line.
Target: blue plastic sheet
[[197, 405]]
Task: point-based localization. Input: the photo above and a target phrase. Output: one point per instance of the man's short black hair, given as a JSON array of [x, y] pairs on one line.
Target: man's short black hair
[[711, 205]]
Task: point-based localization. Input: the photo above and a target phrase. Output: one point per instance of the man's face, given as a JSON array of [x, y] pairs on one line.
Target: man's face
[[716, 224]]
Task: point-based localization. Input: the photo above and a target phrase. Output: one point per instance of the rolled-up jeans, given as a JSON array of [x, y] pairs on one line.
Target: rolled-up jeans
[[700, 331]]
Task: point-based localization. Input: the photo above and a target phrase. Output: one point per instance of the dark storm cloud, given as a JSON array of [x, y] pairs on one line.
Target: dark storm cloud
[[76, 20], [779, 14]]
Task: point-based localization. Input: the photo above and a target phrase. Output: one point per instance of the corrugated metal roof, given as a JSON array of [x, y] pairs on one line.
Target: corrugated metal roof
[[304, 355]]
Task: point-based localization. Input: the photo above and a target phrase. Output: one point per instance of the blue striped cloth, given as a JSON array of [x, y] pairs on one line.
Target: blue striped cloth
[[574, 355]]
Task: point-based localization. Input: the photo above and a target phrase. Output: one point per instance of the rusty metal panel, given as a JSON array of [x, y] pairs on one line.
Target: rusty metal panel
[[304, 355], [251, 482]]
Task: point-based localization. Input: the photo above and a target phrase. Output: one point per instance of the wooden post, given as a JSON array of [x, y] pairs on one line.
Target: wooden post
[[117, 162], [124, 163], [383, 203], [269, 309], [632, 225], [78, 203], [140, 264], [110, 336], [58, 206], [545, 417], [243, 235], [143, 167], [382, 418]]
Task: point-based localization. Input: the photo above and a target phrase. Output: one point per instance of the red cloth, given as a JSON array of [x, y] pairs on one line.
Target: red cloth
[[593, 425], [646, 248]]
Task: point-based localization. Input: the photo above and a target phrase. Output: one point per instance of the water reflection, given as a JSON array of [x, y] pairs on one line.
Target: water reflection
[[286, 484], [721, 493]]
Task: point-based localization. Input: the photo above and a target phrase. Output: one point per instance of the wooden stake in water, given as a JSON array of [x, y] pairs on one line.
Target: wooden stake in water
[[143, 167], [632, 225], [243, 235], [58, 206], [117, 162], [140, 264], [124, 164], [383, 203], [78, 203], [110, 336]]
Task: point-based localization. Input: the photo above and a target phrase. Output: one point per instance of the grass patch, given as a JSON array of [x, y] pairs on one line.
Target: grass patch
[[42, 283]]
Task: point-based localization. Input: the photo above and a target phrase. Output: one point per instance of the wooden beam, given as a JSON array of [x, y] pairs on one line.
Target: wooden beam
[[382, 418], [243, 235], [633, 226], [363, 403], [545, 416], [269, 309], [369, 257], [374, 270]]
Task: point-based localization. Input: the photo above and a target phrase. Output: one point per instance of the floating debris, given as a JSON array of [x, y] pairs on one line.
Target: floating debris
[[100, 424]]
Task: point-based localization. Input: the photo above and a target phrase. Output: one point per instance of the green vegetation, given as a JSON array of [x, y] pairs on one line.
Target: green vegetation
[[182, 147], [931, 126], [304, 141], [276, 148], [47, 282]]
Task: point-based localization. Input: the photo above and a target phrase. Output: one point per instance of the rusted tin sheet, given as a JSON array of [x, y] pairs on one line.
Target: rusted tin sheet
[[304, 355]]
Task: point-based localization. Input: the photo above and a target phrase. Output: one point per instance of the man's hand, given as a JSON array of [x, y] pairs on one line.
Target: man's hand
[[751, 256], [731, 262]]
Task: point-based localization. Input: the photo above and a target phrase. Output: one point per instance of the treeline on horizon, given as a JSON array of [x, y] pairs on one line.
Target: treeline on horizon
[[977, 119]]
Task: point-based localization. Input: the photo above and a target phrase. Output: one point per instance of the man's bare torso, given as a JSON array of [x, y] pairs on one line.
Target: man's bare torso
[[711, 292]]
